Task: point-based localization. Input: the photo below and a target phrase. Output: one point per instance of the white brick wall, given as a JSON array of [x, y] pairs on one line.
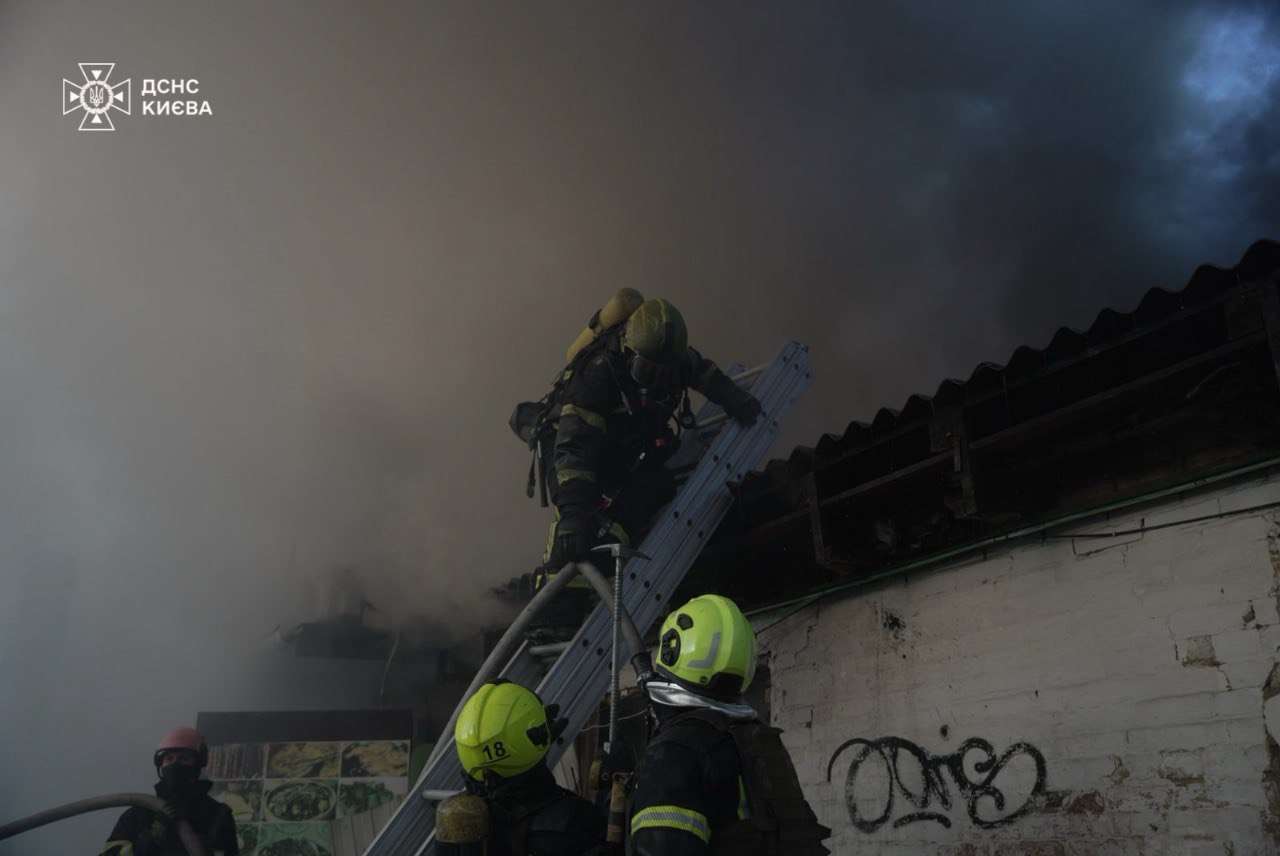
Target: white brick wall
[[1135, 669]]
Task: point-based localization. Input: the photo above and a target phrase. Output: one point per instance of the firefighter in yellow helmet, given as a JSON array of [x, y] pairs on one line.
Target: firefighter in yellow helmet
[[502, 737], [605, 433], [714, 780]]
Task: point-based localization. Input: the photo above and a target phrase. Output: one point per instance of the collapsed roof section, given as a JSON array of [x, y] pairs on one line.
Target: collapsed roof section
[[1183, 387]]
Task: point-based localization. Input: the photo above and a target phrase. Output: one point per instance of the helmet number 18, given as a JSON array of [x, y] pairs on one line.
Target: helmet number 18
[[496, 751]]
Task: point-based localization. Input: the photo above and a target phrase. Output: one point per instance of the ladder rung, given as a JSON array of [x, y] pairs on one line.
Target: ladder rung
[[748, 373], [548, 649]]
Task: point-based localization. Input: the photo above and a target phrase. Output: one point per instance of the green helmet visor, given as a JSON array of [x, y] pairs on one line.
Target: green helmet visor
[[655, 375]]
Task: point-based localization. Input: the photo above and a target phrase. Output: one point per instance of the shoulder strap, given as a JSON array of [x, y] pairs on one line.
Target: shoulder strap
[[601, 343], [532, 420], [605, 338]]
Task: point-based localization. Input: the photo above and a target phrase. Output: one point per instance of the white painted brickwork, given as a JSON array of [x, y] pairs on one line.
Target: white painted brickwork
[[1136, 669]]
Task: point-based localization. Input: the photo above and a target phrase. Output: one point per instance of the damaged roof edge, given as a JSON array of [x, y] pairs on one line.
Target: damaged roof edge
[[1207, 284]]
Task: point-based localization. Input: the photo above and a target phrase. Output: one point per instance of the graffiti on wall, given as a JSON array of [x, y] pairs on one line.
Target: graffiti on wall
[[892, 780]]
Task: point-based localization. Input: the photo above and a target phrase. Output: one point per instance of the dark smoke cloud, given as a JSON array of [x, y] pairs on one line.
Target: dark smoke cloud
[[243, 351]]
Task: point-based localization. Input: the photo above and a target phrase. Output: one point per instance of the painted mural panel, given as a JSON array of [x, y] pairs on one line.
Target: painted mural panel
[[244, 798], [303, 760], [361, 795], [237, 761], [284, 793], [300, 800], [382, 758], [295, 839], [247, 836]]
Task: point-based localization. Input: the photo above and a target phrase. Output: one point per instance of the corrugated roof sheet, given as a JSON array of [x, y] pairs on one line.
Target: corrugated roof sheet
[[1205, 284]]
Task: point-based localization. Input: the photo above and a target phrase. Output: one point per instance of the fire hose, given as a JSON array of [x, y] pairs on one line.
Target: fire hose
[[185, 833]]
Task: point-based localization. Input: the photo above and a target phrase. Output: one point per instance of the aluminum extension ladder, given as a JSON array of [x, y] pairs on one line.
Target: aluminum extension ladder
[[714, 454]]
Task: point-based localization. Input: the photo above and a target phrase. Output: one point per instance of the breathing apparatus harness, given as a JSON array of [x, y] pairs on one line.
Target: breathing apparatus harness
[[535, 421]]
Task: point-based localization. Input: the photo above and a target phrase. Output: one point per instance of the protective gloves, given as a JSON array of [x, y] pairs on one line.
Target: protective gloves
[[744, 411], [740, 405]]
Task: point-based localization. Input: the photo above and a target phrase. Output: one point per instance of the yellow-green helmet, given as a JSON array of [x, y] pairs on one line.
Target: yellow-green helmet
[[502, 729], [656, 330], [657, 342], [708, 646]]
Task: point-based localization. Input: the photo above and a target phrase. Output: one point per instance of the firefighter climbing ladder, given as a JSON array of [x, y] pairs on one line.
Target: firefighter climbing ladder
[[719, 453]]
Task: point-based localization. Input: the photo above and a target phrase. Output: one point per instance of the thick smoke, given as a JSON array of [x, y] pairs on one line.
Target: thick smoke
[[241, 352]]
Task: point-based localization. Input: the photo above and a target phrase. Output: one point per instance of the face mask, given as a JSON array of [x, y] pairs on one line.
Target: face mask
[[179, 777]]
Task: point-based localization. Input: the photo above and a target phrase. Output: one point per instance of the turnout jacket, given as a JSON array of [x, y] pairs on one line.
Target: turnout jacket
[[711, 785], [533, 816], [598, 442], [141, 832]]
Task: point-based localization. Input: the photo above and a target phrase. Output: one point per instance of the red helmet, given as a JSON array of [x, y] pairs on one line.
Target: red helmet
[[183, 738]]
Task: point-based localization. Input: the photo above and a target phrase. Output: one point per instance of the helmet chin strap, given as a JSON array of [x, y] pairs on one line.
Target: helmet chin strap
[[674, 695]]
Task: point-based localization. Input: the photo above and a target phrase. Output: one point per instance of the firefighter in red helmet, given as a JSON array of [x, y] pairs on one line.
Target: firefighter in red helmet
[[179, 758]]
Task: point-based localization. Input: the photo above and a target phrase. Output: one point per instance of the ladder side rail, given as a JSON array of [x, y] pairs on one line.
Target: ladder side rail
[[577, 683], [525, 669], [792, 379], [577, 680], [414, 820]]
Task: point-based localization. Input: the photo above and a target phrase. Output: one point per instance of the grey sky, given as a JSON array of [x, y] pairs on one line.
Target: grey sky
[[296, 328]]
